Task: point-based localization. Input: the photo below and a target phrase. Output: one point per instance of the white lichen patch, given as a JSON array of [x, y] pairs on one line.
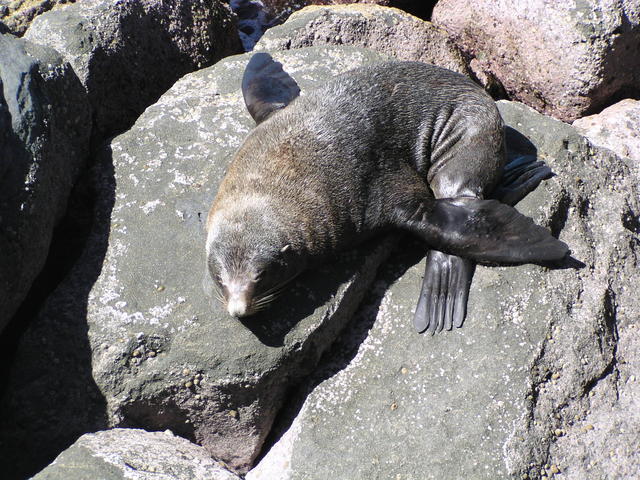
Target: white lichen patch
[[149, 207], [180, 178]]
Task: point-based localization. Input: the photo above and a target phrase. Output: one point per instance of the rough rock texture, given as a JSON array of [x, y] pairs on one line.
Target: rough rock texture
[[256, 16], [44, 140], [616, 128], [283, 8], [18, 14], [566, 59], [542, 378], [134, 455], [127, 53], [386, 30], [159, 350]]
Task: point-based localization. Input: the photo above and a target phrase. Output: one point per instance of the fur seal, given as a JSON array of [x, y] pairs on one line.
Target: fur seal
[[395, 145]]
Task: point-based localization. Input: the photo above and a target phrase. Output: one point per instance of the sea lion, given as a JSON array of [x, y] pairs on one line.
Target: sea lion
[[395, 145]]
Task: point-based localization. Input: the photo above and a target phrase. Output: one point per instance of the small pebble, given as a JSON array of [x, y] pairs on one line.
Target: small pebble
[[555, 376], [186, 372], [188, 384], [554, 469], [588, 427], [404, 370], [160, 288], [559, 432], [196, 382], [394, 406], [233, 413], [135, 353], [152, 354]]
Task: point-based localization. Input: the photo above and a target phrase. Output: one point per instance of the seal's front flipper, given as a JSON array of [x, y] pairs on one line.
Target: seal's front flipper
[[445, 290], [266, 87], [483, 230], [520, 177]]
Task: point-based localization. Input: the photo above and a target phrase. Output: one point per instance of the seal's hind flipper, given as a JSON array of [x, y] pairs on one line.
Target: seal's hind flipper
[[484, 230], [266, 87], [520, 177], [445, 290]]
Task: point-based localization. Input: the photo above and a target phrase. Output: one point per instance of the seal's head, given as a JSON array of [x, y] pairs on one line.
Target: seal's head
[[248, 258]]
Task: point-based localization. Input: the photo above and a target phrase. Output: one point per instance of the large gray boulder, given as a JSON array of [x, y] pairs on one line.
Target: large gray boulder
[[127, 53], [133, 337], [541, 379], [565, 59], [44, 141], [132, 454], [386, 30]]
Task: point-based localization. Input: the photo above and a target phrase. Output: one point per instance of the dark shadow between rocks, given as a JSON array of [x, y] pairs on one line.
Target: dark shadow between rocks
[[48, 397], [518, 144], [149, 417], [313, 289], [421, 9]]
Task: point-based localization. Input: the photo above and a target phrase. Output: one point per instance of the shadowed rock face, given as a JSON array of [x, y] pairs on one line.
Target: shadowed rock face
[[565, 59], [44, 141], [127, 53], [542, 373]]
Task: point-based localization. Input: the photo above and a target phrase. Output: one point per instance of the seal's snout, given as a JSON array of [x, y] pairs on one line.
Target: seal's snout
[[239, 296], [237, 307]]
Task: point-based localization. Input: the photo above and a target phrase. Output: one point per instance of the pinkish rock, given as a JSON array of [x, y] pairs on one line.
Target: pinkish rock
[[385, 30], [565, 59], [616, 128]]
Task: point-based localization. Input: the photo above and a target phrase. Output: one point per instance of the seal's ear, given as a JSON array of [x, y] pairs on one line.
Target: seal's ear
[[266, 87]]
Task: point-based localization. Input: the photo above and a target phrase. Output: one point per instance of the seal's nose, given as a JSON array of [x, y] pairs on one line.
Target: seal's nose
[[237, 307], [239, 298]]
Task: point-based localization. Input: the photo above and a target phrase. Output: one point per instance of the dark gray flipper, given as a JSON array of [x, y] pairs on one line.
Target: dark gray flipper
[[520, 177], [486, 231], [445, 290], [266, 87]]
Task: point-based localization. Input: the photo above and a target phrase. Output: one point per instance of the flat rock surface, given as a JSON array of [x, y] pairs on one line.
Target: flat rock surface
[[617, 127], [148, 345], [134, 455], [386, 30], [539, 380]]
